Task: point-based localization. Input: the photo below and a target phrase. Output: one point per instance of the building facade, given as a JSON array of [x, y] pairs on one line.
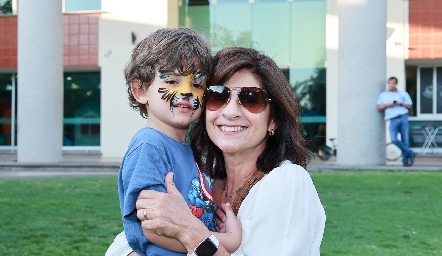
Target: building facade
[[303, 36]]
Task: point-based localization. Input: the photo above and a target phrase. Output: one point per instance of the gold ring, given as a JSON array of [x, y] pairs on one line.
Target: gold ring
[[145, 214]]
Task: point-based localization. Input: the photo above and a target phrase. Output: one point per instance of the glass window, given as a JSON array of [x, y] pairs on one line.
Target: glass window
[[271, 30], [225, 1], [291, 32], [424, 84], [426, 90], [411, 87], [81, 121], [438, 92], [82, 5], [5, 6], [230, 24]]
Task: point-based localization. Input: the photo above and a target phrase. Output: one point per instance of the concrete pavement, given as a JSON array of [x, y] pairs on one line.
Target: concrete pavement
[[93, 165], [72, 165]]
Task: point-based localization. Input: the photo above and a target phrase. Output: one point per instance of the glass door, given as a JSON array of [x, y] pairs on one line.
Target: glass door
[[8, 112]]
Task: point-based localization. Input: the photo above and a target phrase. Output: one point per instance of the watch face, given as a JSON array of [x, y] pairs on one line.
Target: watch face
[[206, 248]]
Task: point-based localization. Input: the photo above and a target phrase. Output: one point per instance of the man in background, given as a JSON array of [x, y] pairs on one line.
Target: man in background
[[396, 105]]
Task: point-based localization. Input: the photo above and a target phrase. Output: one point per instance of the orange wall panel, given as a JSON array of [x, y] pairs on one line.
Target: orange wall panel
[[425, 29], [80, 39]]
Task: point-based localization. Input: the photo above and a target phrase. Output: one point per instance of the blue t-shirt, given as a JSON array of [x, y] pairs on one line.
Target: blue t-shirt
[[399, 96], [150, 156]]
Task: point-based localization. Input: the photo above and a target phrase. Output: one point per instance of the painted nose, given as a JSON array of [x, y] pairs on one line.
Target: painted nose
[[185, 89], [188, 94]]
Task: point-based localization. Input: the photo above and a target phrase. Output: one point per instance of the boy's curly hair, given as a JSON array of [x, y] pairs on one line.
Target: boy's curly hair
[[166, 49]]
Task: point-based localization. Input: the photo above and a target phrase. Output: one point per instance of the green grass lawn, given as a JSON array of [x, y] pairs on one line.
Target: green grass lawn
[[368, 213], [381, 213], [66, 216]]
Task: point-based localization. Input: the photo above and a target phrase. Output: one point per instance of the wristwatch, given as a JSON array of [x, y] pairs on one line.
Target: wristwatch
[[208, 247], [400, 104]]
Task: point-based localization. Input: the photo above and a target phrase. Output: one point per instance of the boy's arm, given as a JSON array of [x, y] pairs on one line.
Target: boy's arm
[[229, 224], [133, 179], [229, 241]]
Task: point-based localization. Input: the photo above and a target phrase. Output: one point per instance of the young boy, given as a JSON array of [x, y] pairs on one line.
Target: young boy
[[166, 78]]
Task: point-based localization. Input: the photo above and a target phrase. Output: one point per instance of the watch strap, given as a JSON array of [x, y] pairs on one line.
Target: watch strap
[[212, 238]]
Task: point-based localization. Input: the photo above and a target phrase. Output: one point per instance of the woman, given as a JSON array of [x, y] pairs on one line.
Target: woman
[[252, 145]]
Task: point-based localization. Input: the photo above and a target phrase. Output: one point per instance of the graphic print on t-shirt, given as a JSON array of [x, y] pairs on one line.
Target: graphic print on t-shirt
[[201, 200]]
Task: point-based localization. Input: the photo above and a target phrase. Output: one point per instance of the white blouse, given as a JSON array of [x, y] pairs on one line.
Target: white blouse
[[282, 215]]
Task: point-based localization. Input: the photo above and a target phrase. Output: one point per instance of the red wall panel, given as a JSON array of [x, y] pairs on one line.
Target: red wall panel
[[8, 41], [80, 40]]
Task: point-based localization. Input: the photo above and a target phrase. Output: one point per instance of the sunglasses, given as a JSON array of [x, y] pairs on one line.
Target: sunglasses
[[254, 99]]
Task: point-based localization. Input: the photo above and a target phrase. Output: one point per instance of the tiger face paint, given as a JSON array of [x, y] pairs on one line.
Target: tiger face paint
[[182, 91]]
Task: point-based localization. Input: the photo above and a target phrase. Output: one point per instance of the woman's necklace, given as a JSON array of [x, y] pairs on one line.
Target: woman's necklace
[[242, 191], [245, 181]]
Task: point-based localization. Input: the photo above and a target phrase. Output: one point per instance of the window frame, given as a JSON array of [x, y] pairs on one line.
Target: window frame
[[434, 116]]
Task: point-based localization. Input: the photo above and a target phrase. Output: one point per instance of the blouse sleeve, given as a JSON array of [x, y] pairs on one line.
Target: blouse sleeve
[[286, 217]]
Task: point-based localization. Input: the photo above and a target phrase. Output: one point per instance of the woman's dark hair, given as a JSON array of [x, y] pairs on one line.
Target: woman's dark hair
[[288, 142], [166, 49]]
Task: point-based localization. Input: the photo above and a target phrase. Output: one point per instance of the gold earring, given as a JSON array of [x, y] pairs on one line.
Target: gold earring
[[272, 132]]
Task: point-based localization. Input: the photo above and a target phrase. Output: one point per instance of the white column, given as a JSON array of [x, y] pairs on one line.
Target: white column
[[40, 81], [361, 77]]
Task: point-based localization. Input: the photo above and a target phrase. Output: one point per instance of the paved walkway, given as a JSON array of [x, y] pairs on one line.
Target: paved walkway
[[421, 163], [93, 165]]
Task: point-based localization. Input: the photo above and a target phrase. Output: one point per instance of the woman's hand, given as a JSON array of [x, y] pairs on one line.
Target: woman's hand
[[168, 214]]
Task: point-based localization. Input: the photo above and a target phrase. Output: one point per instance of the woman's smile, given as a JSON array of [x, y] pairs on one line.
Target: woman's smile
[[225, 128]]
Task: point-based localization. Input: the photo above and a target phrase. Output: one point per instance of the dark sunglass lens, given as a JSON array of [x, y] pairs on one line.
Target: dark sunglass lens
[[217, 96], [253, 99]]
